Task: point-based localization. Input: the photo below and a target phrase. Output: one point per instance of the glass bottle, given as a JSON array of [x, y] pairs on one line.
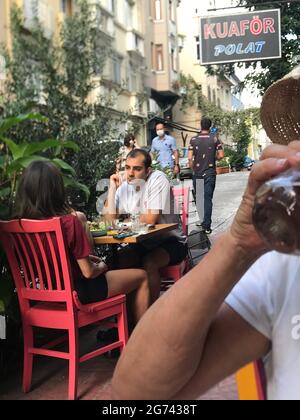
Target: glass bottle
[[276, 212]]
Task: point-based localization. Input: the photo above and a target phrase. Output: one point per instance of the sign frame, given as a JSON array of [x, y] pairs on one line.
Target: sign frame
[[255, 12]]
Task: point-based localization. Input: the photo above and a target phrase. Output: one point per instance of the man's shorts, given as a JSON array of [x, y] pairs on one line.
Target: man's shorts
[[176, 250]]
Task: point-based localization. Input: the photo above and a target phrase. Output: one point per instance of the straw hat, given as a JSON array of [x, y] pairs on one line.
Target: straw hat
[[280, 109]]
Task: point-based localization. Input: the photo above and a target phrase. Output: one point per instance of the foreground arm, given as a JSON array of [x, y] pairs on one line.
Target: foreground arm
[[168, 345], [189, 340]]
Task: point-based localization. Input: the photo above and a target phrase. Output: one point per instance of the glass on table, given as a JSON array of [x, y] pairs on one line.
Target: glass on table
[[135, 223]]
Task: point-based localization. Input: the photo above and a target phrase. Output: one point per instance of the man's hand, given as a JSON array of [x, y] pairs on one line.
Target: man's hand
[[274, 160], [116, 180]]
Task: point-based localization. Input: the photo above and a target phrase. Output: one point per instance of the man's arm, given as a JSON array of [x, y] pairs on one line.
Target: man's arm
[[110, 210], [182, 346], [151, 217], [173, 335]]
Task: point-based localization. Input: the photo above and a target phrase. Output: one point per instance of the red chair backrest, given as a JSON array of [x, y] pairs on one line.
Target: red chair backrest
[[182, 199], [38, 260]]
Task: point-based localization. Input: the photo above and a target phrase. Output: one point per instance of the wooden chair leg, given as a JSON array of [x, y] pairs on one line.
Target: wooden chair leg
[[28, 358], [73, 363]]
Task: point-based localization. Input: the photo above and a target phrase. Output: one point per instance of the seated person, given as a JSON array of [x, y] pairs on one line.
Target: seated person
[[41, 195], [148, 193], [130, 144]]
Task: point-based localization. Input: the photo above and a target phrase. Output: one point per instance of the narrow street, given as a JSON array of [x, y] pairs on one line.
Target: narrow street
[[227, 197]]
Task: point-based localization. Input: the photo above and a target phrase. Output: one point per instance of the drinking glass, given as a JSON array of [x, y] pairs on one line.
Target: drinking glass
[[276, 212], [135, 222]]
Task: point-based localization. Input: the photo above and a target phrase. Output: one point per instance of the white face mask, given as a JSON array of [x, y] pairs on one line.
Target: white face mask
[[160, 133]]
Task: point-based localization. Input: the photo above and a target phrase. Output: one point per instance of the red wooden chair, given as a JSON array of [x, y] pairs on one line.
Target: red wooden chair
[[251, 382], [40, 267], [175, 272]]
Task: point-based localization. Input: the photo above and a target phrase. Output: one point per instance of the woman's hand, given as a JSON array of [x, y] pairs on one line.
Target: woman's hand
[[274, 160], [95, 259]]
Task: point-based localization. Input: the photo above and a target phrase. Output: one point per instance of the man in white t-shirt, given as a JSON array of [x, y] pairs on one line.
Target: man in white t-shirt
[[147, 193], [240, 304]]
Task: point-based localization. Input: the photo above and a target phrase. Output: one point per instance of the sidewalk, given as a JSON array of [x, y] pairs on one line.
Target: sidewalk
[[50, 379], [50, 376]]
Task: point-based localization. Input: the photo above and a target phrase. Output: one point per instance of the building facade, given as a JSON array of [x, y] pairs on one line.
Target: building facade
[[144, 58], [218, 91]]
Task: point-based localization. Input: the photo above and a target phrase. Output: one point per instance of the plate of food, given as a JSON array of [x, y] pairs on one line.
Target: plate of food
[[97, 228], [98, 233]]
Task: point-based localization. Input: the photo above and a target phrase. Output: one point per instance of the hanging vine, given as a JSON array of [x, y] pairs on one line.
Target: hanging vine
[[233, 124]]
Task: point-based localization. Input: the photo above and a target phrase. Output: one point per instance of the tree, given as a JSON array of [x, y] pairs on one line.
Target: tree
[[263, 73], [57, 79]]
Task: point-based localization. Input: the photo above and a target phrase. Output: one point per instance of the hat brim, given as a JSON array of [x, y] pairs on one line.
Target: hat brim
[[280, 110]]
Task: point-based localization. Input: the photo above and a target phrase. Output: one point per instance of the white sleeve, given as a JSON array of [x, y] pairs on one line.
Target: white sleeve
[[158, 193], [252, 297], [117, 198]]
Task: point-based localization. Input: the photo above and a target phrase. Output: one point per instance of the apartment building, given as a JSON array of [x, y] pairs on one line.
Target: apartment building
[[144, 60], [162, 54], [216, 90]]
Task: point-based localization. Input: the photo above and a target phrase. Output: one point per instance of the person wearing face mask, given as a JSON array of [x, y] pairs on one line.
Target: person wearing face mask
[[165, 146]]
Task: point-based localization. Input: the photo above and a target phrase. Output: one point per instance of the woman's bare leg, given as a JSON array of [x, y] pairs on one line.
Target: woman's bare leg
[[127, 281]]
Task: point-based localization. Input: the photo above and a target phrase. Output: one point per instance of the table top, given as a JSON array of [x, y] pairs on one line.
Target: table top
[[161, 228]]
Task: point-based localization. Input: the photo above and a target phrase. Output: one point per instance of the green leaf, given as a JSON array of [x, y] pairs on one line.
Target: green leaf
[[40, 146], [2, 161], [71, 183], [24, 163], [4, 192], [8, 123], [13, 147], [64, 165], [69, 145]]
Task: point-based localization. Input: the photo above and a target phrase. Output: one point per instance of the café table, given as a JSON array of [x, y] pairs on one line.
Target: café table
[[158, 230]]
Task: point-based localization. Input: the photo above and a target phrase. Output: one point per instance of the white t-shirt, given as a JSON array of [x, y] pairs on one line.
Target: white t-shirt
[[153, 194], [268, 298]]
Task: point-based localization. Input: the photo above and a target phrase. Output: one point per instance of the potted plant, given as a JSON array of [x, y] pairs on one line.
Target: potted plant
[[223, 166]]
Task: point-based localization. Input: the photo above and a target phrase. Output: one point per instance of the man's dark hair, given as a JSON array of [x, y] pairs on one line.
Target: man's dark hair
[[41, 193], [160, 123], [206, 124], [140, 152]]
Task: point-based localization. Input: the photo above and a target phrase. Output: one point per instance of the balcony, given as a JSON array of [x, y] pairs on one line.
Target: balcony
[[135, 44]]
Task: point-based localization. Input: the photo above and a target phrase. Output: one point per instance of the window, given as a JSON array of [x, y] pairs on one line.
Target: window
[[157, 10], [159, 58], [117, 63], [66, 6], [174, 59], [128, 14], [152, 56], [2, 67], [112, 6], [198, 47], [172, 15]]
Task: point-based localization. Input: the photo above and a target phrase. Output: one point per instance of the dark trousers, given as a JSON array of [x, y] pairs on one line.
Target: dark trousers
[[209, 189]]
